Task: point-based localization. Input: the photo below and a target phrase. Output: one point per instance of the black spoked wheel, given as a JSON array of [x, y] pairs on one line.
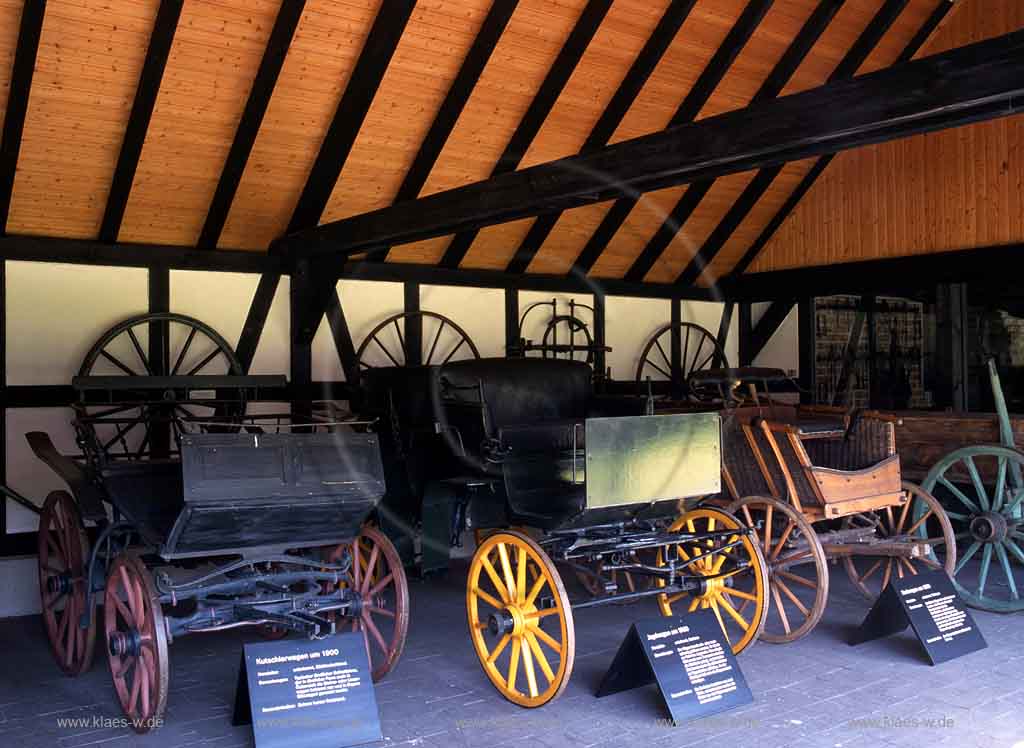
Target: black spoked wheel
[[698, 350], [161, 344], [389, 343]]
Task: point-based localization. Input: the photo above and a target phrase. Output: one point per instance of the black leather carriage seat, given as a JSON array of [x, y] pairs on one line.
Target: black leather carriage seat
[[531, 405]]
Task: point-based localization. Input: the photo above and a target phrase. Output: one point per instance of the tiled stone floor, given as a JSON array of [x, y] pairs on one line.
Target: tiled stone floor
[[816, 692]]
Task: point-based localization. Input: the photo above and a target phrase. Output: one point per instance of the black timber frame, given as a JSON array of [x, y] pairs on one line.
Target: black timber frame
[[160, 40], [17, 100], [771, 87], [455, 100], [912, 48], [540, 107], [636, 77], [688, 110], [364, 80], [846, 69], [274, 54], [970, 84]]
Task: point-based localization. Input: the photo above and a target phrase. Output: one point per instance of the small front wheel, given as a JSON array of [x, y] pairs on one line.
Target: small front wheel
[[520, 620], [737, 577]]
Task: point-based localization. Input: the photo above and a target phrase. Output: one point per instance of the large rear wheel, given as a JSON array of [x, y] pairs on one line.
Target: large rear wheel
[[520, 620], [737, 585]]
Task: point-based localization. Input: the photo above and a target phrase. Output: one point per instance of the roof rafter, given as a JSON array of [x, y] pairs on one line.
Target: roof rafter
[[17, 101], [160, 40], [969, 84], [252, 117], [646, 60], [363, 82], [543, 101], [925, 32], [698, 96], [455, 100], [772, 86]]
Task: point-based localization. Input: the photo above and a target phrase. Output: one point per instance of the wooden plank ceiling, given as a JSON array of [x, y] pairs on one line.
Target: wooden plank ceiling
[[446, 88]]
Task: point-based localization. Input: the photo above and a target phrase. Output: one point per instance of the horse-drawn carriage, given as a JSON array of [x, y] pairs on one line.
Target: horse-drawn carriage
[[204, 517]]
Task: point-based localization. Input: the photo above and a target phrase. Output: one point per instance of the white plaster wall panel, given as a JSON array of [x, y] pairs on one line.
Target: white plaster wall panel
[[366, 304], [782, 350], [19, 579], [708, 314], [55, 312], [222, 301], [26, 474], [629, 323], [326, 364], [478, 311], [538, 319]]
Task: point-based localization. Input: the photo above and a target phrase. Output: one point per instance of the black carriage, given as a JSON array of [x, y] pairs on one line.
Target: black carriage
[[186, 514], [545, 471]]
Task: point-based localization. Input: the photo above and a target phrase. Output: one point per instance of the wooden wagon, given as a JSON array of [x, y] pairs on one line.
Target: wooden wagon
[[821, 484]]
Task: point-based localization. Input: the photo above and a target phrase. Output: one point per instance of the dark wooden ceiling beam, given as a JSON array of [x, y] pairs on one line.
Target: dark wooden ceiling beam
[[274, 54], [970, 84], [543, 101], [695, 99], [770, 88], [635, 79], [363, 82], [160, 40], [17, 100], [455, 100], [768, 325], [872, 31]]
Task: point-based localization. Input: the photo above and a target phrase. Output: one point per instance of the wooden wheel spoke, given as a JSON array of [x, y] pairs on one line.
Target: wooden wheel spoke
[[694, 604], [721, 623], [375, 633], [531, 674], [513, 665], [506, 570], [376, 589], [768, 530], [521, 576], [734, 614], [793, 598], [453, 351], [137, 676], [496, 652], [960, 495], [538, 655], [780, 608], [796, 578], [979, 486], [874, 567], [971, 550], [203, 362], [125, 613], [184, 351], [545, 637], [147, 673], [537, 614], [118, 363], [922, 518], [380, 611], [538, 585], [370, 566], [733, 592], [1004, 562], [986, 563], [495, 580], [487, 598]]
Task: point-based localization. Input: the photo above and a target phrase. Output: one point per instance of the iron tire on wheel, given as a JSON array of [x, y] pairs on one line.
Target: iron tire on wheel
[[377, 573], [62, 553], [708, 519], [136, 639], [519, 582], [781, 577]]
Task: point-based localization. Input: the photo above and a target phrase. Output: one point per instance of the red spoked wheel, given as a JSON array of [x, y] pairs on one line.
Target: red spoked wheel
[[136, 638], [62, 549], [378, 576]]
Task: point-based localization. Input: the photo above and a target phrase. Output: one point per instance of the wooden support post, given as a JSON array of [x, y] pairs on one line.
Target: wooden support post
[[413, 326], [723, 332], [159, 355], [301, 338], [951, 357], [511, 320], [600, 359], [746, 334], [807, 346], [342, 339], [676, 350], [868, 303]]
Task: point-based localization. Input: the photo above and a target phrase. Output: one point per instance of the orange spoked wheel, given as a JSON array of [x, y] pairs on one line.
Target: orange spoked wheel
[[136, 642], [519, 619], [736, 581], [377, 575], [62, 550]]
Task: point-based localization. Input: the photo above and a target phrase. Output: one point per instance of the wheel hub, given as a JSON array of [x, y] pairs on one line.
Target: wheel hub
[[59, 583], [710, 588], [989, 527], [507, 621], [125, 643]]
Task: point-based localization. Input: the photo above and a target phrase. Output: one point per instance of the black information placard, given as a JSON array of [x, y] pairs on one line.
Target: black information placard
[[689, 659], [929, 604], [298, 693]]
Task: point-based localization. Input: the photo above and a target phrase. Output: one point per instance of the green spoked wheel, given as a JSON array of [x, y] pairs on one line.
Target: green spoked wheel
[[983, 490]]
